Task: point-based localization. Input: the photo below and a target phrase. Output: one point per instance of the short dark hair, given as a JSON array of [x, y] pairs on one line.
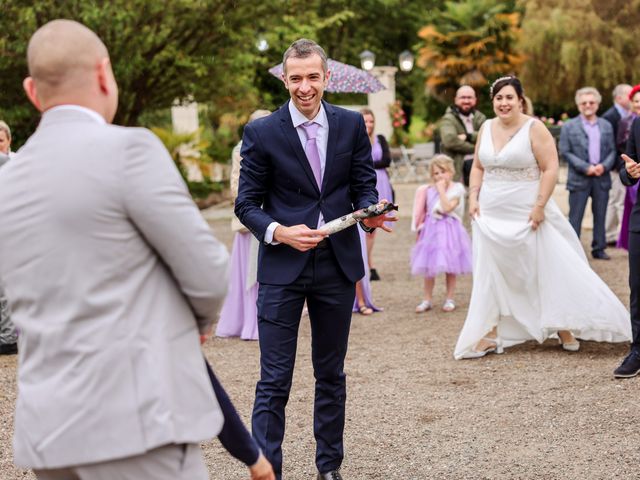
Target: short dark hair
[[303, 48], [502, 82]]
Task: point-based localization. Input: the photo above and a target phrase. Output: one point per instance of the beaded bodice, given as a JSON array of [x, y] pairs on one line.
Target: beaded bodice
[[514, 162]]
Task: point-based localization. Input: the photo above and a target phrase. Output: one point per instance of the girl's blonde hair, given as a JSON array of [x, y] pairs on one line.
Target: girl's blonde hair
[[367, 111], [442, 161], [5, 128]]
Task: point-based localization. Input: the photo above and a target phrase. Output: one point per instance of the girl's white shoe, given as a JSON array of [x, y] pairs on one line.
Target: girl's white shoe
[[448, 305], [423, 306]]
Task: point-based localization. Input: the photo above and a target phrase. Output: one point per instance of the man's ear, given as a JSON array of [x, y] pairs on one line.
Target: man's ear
[[32, 94], [104, 72]]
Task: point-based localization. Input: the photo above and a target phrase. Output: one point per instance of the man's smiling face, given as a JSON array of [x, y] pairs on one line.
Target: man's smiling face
[[306, 80]]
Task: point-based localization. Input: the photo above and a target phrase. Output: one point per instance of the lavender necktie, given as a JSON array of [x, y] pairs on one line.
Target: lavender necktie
[[311, 149]]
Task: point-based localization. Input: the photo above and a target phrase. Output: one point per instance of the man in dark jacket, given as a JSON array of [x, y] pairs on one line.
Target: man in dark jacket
[[629, 175], [618, 111], [459, 131]]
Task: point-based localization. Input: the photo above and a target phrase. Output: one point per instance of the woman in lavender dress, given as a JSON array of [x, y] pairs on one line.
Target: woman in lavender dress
[[363, 303], [630, 196], [239, 316], [381, 160]]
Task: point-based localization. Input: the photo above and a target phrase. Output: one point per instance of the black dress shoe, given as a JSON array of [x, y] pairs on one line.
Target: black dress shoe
[[8, 349], [332, 475], [630, 366], [600, 255], [374, 275]]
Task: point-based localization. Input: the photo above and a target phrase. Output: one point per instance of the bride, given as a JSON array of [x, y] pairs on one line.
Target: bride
[[531, 278]]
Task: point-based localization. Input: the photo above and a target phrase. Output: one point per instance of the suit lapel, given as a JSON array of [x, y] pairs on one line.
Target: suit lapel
[[334, 125], [584, 132], [294, 140]]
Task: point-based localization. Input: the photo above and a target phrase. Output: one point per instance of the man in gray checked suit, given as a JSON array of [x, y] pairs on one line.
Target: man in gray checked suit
[[111, 273], [588, 146]]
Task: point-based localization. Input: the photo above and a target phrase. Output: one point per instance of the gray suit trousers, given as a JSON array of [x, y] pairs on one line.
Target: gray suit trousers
[[171, 462], [8, 333]]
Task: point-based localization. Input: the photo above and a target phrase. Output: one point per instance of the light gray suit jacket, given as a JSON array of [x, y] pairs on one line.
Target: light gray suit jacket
[[110, 271]]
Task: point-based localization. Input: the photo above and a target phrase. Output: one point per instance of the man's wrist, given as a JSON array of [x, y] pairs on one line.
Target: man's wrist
[[365, 228], [269, 236]]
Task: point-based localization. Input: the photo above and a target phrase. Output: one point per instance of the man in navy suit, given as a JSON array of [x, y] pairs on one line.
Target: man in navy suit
[[307, 163], [588, 146], [629, 175]]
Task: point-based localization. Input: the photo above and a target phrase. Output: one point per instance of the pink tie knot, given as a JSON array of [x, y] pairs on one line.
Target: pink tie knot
[[311, 129]]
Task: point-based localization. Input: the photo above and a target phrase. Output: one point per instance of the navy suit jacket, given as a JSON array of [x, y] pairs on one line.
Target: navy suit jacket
[[613, 117], [277, 184], [633, 150], [574, 148]]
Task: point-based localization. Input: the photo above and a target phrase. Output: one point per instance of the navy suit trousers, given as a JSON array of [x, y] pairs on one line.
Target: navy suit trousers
[[329, 296], [577, 205], [634, 285]]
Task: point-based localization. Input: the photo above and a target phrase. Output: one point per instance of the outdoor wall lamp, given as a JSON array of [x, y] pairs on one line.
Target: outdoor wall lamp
[[367, 60]]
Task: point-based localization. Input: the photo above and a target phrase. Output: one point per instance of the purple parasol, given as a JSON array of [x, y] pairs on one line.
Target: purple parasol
[[344, 78]]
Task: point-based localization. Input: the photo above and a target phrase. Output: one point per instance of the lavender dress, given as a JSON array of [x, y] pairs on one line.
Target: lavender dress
[[239, 316], [624, 129], [443, 245], [629, 201], [381, 158], [364, 282]]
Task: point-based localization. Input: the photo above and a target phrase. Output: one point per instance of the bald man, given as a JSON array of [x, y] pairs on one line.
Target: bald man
[[112, 274], [459, 130]]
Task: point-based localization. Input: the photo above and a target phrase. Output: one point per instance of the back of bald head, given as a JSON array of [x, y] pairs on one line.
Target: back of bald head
[[62, 55]]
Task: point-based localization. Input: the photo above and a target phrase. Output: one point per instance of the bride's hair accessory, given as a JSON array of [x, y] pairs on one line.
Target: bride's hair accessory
[[500, 80]]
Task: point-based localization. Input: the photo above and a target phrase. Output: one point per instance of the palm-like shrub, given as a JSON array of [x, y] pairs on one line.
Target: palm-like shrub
[[469, 42]]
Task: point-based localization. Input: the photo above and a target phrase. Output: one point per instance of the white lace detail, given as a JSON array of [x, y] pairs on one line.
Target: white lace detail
[[511, 174]]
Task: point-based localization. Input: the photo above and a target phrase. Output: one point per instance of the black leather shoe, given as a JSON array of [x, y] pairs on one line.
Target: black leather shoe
[[332, 475], [630, 366], [600, 255], [374, 275], [8, 349]]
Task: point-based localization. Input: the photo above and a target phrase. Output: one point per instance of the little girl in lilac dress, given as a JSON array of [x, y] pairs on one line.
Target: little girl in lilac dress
[[443, 244]]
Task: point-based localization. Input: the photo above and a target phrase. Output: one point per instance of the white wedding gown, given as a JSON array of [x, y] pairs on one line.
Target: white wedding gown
[[530, 283]]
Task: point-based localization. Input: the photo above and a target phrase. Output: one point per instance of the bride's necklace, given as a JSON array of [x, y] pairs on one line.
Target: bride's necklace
[[511, 132]]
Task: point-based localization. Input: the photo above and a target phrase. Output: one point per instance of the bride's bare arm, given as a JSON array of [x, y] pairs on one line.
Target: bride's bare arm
[[544, 149], [546, 154], [475, 178]]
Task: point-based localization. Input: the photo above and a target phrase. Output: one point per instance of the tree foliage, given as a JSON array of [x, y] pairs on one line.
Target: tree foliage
[[570, 44], [161, 51], [469, 42]]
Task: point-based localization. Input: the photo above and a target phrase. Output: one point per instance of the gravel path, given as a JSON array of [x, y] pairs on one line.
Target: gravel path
[[415, 413]]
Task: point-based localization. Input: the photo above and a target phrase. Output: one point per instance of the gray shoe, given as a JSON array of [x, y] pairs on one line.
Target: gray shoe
[[332, 475]]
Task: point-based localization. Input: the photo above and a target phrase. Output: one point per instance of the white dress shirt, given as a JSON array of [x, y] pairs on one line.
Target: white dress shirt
[[322, 138], [92, 113]]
